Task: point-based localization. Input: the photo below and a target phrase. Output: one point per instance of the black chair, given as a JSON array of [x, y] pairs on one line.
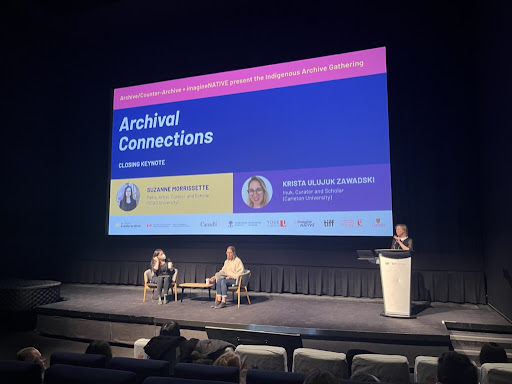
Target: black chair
[[66, 374], [260, 376], [22, 372], [78, 359], [141, 367], [207, 372]]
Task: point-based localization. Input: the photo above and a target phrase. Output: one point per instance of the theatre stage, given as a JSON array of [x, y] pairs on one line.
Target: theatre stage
[[117, 313]]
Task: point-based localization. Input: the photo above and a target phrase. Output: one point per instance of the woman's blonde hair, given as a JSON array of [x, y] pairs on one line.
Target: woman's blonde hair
[[404, 227], [229, 359]]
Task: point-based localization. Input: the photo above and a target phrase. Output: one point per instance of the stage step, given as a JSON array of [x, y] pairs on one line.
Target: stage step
[[468, 338]]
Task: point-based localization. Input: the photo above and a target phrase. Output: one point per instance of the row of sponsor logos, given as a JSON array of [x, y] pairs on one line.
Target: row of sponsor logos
[[326, 223]]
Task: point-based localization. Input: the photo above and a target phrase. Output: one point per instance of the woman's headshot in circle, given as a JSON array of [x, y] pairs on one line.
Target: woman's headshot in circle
[[128, 201], [257, 193]]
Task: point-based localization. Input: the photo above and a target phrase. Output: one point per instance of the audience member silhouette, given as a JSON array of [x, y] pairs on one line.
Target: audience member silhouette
[[100, 347], [32, 355], [493, 353], [456, 368], [315, 376], [230, 359], [364, 377], [163, 347]]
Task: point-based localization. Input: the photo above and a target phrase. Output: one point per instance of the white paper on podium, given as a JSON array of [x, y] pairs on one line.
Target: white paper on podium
[[395, 275]]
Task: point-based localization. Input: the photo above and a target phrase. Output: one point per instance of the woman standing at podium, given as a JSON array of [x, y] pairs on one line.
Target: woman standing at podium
[[402, 240]]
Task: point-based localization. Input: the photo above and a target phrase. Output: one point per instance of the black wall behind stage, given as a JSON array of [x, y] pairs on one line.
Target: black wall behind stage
[[62, 62], [495, 94]]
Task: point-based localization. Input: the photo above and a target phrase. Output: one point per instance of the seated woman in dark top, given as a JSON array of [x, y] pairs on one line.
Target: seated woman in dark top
[[165, 346], [163, 271]]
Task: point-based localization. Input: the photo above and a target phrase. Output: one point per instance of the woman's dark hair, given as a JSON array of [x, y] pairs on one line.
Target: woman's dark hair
[[100, 347], [456, 368], [124, 193], [493, 353], [170, 329]]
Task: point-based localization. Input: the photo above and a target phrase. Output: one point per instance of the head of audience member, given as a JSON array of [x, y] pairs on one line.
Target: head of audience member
[[456, 368], [257, 194], [100, 347], [315, 376], [229, 359], [31, 355], [170, 329], [364, 377], [493, 353]]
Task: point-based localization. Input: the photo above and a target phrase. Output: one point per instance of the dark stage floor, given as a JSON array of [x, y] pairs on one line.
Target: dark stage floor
[[274, 312]]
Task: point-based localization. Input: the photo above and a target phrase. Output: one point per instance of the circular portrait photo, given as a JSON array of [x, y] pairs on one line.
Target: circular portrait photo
[[257, 192], [128, 197]]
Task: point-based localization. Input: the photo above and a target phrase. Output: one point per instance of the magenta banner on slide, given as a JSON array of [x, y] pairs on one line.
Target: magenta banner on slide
[[353, 188], [335, 67]]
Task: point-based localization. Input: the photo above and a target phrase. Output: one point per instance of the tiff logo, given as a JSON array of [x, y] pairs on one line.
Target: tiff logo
[[328, 223]]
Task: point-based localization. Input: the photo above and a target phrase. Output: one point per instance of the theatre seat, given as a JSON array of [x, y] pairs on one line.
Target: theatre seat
[[496, 373], [20, 372], [425, 369], [306, 359], [388, 368], [79, 359], [179, 380], [263, 357], [66, 374], [138, 349], [207, 372], [142, 368], [148, 274], [258, 376], [241, 285]]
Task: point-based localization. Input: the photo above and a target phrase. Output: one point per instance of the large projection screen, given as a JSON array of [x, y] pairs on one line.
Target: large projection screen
[[297, 148]]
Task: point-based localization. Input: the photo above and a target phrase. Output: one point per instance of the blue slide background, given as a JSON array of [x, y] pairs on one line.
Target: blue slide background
[[334, 123]]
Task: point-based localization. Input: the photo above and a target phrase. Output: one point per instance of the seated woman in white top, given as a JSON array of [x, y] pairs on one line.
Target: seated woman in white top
[[227, 276]]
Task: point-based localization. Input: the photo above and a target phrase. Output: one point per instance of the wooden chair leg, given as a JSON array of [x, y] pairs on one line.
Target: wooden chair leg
[[175, 292], [144, 299], [247, 294], [238, 297]]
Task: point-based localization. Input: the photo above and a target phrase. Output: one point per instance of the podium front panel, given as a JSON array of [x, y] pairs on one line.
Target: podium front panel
[[396, 285]]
